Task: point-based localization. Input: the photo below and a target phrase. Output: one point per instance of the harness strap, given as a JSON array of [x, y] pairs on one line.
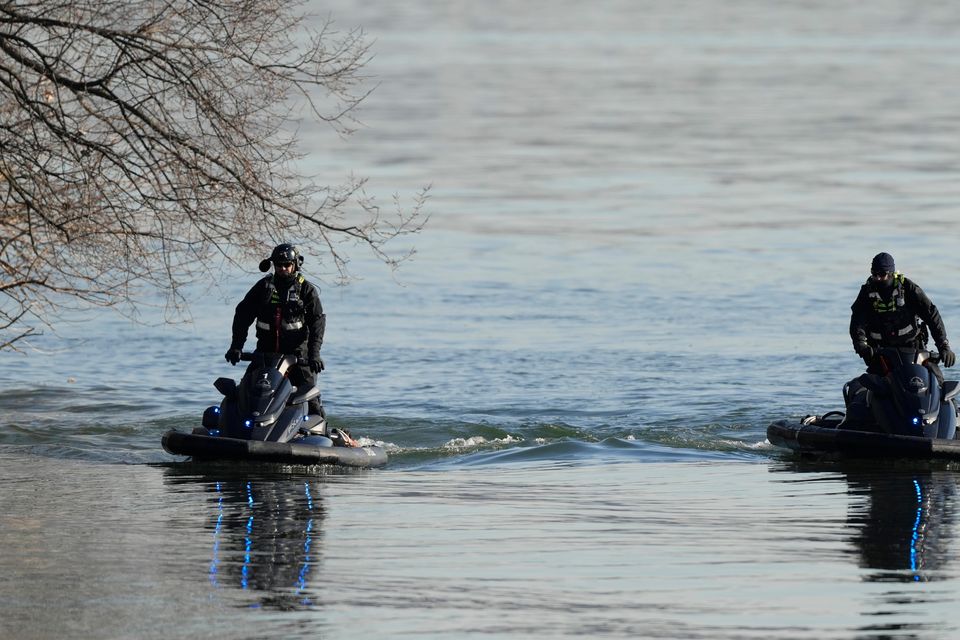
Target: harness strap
[[289, 326], [902, 332]]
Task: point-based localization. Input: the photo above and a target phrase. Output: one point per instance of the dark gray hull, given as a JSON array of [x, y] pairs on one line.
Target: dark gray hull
[[202, 447], [810, 438]]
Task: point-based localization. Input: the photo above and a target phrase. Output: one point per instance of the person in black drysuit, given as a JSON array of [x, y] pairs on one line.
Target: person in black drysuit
[[888, 312], [289, 317]]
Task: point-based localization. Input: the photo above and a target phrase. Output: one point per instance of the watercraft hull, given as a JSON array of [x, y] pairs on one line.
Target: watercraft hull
[[201, 447], [812, 438]]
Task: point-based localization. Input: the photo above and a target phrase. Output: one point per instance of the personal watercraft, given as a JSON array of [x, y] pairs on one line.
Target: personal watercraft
[[265, 418], [906, 411]]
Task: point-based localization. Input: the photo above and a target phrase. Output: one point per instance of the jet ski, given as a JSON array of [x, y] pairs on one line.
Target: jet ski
[[266, 419], [903, 412]]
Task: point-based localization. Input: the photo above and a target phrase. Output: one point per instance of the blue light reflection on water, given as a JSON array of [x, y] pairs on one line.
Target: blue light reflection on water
[[247, 542], [308, 540], [915, 537], [260, 548], [214, 564]]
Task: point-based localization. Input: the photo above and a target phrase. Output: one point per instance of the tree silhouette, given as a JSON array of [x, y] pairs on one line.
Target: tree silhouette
[[144, 143]]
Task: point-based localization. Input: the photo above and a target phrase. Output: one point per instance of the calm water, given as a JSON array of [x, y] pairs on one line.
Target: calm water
[[649, 220]]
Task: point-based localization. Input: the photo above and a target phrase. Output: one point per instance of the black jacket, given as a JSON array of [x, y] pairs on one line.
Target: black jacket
[[289, 318], [892, 318]]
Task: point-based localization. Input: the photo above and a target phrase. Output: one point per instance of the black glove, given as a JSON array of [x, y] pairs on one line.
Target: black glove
[[316, 364], [864, 350], [947, 357], [232, 356]]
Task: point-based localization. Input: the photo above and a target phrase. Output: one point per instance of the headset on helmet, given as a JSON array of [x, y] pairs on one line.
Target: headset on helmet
[[282, 253]]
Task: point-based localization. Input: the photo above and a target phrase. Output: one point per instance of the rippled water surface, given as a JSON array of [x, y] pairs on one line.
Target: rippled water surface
[[649, 220]]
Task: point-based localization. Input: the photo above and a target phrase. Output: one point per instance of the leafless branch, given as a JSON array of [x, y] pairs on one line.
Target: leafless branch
[[143, 141]]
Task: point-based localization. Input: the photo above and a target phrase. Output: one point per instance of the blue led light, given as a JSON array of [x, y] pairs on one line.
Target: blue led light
[[916, 421], [214, 432], [216, 409], [248, 423]]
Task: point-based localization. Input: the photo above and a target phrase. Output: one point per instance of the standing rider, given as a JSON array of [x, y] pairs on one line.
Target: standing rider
[[289, 316], [888, 312]]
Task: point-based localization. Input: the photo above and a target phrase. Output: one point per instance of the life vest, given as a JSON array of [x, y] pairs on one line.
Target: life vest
[[281, 323], [891, 322]]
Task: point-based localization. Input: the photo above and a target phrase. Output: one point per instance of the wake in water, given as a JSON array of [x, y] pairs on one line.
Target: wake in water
[[71, 430], [427, 443]]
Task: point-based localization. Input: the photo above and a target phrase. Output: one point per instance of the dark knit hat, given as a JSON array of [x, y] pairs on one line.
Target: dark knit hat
[[882, 263]]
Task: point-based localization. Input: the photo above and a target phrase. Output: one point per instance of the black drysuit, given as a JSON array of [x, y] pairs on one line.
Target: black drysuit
[[289, 320], [891, 317]]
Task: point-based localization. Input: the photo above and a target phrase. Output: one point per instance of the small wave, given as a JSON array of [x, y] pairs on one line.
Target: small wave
[[473, 442]]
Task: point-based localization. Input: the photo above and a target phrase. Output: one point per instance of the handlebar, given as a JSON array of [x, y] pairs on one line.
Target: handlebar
[[250, 356], [889, 355]]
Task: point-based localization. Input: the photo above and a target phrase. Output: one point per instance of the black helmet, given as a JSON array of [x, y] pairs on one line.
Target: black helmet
[[283, 253], [882, 263]]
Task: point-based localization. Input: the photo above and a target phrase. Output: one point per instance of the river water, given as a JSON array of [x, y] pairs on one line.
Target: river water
[[649, 220]]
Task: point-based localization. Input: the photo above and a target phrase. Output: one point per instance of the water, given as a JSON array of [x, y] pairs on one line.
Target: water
[[648, 223]]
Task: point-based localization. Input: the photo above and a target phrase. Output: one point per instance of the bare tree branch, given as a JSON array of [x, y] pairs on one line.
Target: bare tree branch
[[142, 142]]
